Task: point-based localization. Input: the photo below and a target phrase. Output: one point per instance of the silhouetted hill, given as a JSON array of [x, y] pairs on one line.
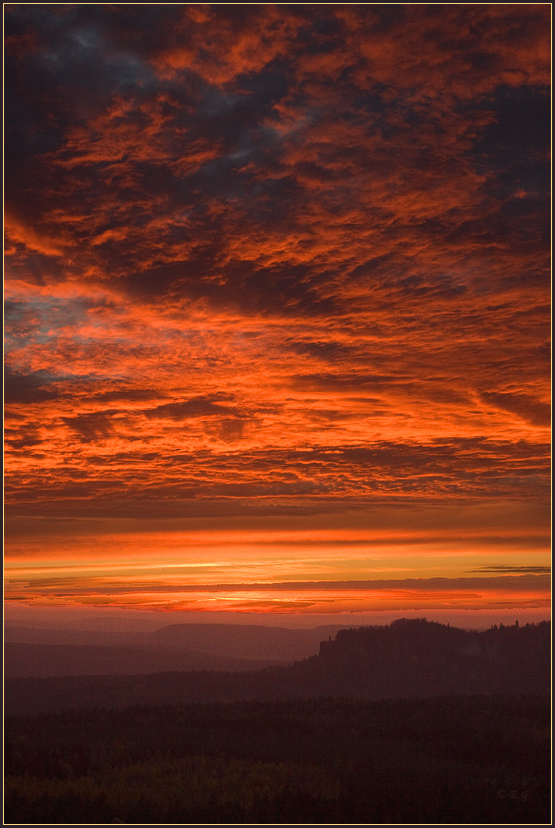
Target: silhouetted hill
[[35, 660], [405, 659], [244, 641], [422, 658]]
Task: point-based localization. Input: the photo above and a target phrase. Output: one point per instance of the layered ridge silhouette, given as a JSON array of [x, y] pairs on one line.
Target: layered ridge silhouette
[[226, 647], [407, 658]]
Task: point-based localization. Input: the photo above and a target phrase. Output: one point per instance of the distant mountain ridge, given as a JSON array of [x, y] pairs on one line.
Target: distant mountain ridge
[[407, 658], [247, 640], [250, 642], [41, 660]]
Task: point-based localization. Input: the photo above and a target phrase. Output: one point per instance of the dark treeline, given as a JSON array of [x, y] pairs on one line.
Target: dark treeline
[[421, 657], [406, 658], [458, 759]]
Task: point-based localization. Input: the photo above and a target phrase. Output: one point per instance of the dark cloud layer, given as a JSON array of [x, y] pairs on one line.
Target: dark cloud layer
[[505, 570], [35, 386]]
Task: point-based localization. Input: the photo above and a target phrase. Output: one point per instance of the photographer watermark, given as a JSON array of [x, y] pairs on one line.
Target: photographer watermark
[[503, 793]]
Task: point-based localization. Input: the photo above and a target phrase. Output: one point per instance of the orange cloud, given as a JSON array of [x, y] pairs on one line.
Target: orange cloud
[[269, 262]]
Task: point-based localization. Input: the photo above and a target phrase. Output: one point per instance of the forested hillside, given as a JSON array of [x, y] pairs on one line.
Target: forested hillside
[[406, 658]]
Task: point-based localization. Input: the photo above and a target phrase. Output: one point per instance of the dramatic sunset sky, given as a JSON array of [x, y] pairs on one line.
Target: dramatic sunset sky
[[277, 311]]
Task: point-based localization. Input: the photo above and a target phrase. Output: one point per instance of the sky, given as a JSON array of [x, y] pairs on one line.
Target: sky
[[277, 311]]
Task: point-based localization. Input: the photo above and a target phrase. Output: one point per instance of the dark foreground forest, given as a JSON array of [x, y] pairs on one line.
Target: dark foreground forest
[[481, 759], [411, 723]]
